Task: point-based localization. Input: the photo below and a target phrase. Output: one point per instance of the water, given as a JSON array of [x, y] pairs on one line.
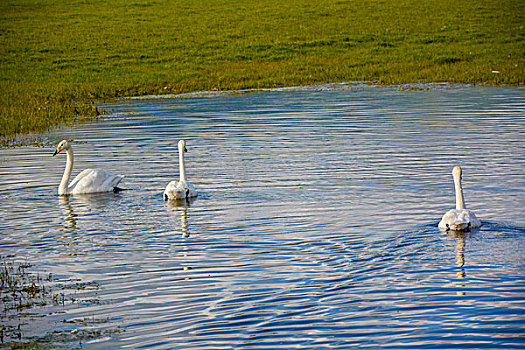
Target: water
[[315, 225]]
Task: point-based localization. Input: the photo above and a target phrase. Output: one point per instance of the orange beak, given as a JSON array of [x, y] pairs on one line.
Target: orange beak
[[57, 151]]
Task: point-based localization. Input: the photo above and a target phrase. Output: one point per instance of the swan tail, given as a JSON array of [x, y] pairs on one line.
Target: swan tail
[[177, 193], [114, 180], [174, 191]]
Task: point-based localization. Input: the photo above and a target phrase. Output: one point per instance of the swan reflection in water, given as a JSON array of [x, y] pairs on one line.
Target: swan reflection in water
[[67, 208], [182, 205], [460, 257], [80, 205]]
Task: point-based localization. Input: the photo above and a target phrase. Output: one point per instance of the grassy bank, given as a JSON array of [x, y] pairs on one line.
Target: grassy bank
[[59, 57]]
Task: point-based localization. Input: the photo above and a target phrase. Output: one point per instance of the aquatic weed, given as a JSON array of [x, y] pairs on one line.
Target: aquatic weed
[[24, 295]]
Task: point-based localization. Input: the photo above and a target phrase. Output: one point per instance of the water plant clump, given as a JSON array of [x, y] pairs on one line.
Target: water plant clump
[[26, 297], [19, 290]]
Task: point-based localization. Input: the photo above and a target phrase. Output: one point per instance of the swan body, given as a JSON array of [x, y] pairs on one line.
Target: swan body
[[88, 181], [459, 219], [182, 189], [179, 190]]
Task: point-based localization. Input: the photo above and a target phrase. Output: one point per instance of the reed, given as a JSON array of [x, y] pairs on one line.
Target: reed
[[60, 58]]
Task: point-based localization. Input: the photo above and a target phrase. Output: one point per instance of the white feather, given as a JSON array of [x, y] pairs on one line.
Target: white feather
[[459, 219], [182, 189], [88, 180]]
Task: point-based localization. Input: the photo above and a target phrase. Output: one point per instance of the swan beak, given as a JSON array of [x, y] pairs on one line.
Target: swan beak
[[185, 149], [57, 151]]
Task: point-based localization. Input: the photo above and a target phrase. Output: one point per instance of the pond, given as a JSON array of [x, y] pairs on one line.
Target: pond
[[315, 225]]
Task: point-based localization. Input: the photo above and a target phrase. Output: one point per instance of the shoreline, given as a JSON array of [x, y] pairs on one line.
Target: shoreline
[[322, 87], [57, 67], [35, 138]]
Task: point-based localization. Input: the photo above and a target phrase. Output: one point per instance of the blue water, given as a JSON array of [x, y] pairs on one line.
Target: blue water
[[315, 225]]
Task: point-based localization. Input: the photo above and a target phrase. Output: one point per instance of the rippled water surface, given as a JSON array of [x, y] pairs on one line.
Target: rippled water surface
[[315, 225]]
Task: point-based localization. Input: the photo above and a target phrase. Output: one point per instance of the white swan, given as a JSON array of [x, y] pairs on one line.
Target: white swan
[[182, 189], [459, 219], [88, 181]]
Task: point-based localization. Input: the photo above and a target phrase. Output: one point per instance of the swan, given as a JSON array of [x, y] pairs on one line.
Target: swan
[[459, 219], [182, 189], [88, 181]]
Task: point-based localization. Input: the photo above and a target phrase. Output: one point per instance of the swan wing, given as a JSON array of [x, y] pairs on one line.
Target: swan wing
[[474, 221], [188, 189], [93, 181]]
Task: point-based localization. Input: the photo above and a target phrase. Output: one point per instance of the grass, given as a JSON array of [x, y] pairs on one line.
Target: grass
[[60, 58]]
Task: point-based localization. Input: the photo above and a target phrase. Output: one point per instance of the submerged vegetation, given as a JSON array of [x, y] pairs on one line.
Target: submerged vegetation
[[26, 297], [59, 58]]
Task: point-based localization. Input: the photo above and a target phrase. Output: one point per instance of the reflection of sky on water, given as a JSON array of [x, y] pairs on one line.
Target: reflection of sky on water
[[316, 221]]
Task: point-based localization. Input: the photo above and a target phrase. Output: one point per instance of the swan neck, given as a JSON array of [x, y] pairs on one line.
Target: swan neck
[[181, 165], [460, 201], [62, 189]]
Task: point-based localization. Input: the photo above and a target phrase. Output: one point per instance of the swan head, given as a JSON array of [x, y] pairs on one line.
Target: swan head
[[182, 146], [63, 145], [456, 172]]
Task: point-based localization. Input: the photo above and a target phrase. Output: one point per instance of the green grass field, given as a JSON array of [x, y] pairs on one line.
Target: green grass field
[[59, 58]]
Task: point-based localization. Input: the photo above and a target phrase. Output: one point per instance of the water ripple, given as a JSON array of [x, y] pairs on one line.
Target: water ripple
[[315, 225]]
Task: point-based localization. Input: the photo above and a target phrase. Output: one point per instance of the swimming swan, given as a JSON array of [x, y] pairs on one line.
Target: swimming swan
[[459, 219], [88, 181], [183, 189]]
